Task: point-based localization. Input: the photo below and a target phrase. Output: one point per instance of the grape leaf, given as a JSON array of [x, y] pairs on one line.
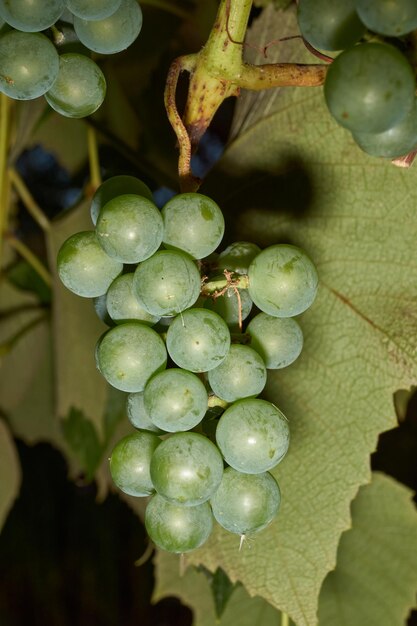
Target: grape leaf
[[81, 436], [375, 578], [10, 474], [291, 174], [193, 588]]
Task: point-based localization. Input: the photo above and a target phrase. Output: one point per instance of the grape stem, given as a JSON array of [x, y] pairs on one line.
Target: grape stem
[[218, 286], [93, 159], [26, 197], [4, 180], [22, 249], [218, 72]]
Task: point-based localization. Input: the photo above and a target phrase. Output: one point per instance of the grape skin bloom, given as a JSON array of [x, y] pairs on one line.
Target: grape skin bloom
[[176, 528], [130, 463], [242, 374], [29, 65], [186, 468], [253, 436], [129, 354], [282, 281], [245, 503]]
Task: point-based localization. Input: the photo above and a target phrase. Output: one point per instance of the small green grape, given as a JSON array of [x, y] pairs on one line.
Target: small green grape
[[279, 340], [138, 415], [114, 187], [245, 503], [129, 354], [122, 305], [186, 469], [130, 462], [84, 267], [176, 528], [242, 374]]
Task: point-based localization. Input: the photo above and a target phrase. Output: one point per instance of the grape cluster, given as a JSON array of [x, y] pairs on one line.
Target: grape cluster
[[370, 86], [171, 300], [72, 83]]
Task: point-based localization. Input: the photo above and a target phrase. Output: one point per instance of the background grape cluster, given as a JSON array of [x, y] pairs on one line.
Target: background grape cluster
[[72, 83], [370, 87], [176, 345]]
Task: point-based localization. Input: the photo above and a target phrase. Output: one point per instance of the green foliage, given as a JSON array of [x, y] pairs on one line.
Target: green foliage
[[375, 578], [82, 438]]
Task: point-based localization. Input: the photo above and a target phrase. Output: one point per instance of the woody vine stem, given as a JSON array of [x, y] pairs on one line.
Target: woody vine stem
[[218, 72]]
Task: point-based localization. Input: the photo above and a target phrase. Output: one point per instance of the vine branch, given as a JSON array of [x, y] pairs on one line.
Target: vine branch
[[218, 72]]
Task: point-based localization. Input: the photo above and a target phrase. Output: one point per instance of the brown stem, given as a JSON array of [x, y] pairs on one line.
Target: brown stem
[[188, 182], [258, 77]]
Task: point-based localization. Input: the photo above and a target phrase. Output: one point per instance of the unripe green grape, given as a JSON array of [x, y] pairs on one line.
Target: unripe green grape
[[193, 223], [253, 436], [114, 187], [167, 283], [111, 34], [238, 256], [31, 15], [129, 354], [198, 340], [100, 308], [229, 304], [329, 24], [279, 340], [84, 267], [93, 9], [122, 304], [176, 528], [130, 228], [175, 400], [394, 142], [79, 88], [370, 87], [138, 415], [242, 374], [186, 469], [282, 281], [392, 18], [245, 503], [130, 462], [29, 64]]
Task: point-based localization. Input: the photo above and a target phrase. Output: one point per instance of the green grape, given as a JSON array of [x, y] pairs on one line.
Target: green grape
[[122, 304], [238, 256], [329, 24], [92, 9], [186, 469], [130, 228], [370, 88], [114, 187], [245, 503], [129, 354], [394, 142], [228, 304], [198, 340], [100, 307], [29, 64], [176, 528], [253, 436], [138, 415], [392, 18], [167, 283], [79, 88], [130, 462], [279, 340], [31, 15], [84, 267], [111, 34], [282, 281], [242, 374], [193, 223], [175, 400]]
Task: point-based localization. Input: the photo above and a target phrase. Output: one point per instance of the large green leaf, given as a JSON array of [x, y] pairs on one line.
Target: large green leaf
[[291, 174], [10, 475], [193, 588], [375, 579]]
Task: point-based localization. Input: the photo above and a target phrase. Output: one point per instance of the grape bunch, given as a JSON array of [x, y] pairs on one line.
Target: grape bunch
[[370, 86], [72, 83], [178, 347]]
